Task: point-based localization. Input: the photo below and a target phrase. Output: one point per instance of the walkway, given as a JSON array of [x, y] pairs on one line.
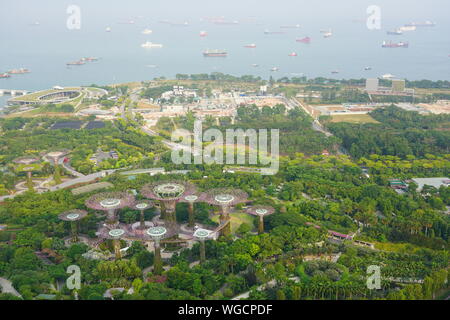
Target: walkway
[[6, 287]]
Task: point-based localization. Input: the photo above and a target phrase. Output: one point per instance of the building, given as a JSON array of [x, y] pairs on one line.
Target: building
[[372, 85], [398, 86], [434, 182]]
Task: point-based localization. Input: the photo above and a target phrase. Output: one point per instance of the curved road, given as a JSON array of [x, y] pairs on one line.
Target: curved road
[[6, 287]]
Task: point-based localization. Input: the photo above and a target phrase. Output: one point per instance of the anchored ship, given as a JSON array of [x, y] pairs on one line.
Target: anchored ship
[[203, 33], [293, 54], [149, 44], [147, 31], [215, 53], [306, 40], [19, 71], [251, 46], [4, 75], [396, 32], [421, 24], [391, 44]]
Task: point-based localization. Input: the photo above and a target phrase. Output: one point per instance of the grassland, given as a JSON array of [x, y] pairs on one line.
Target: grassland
[[353, 118]]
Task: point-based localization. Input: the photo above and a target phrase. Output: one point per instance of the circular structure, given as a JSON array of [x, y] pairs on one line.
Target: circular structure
[[73, 215], [116, 233], [191, 198], [167, 190], [224, 198], [26, 160], [60, 96], [157, 232], [110, 201], [202, 234], [261, 210], [142, 205]]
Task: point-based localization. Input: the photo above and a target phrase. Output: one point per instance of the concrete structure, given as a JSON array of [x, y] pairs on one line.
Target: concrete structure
[[372, 84], [434, 182]]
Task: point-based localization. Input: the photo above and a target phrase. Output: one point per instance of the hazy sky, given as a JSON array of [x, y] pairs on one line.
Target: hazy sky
[[18, 11]]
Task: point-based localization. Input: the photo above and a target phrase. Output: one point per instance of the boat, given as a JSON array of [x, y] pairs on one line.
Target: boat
[[4, 75], [89, 59], [19, 71], [75, 63], [367, 68], [335, 72], [215, 53], [147, 31], [306, 40], [226, 23], [421, 24], [203, 33], [293, 54], [149, 44], [296, 26], [251, 46], [108, 29], [327, 34], [391, 44], [396, 32], [273, 32], [407, 28], [388, 76], [274, 69], [255, 65], [35, 24]]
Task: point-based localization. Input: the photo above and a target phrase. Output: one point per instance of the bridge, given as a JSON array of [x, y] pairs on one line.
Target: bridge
[[13, 92]]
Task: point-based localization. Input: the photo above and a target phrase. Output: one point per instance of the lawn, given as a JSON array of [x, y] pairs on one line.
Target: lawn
[[237, 219], [353, 118]]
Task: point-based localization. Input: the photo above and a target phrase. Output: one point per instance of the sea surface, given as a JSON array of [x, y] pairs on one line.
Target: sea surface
[[45, 49]]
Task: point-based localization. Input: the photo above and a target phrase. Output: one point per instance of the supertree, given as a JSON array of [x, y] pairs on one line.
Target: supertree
[[156, 234], [142, 205], [190, 200], [73, 216], [28, 165], [261, 212], [168, 193], [225, 198], [115, 235], [110, 202], [54, 157], [202, 235]]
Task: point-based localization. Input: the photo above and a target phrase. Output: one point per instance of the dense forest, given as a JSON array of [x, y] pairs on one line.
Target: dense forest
[[399, 133]]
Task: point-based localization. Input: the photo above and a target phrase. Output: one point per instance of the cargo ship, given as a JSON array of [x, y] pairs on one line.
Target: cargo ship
[[108, 29], [396, 32], [293, 54], [306, 40], [19, 71], [421, 24], [4, 75], [147, 31], [407, 28], [75, 63], [89, 59], [203, 33], [250, 46], [273, 32], [149, 44], [215, 53], [296, 26], [391, 44]]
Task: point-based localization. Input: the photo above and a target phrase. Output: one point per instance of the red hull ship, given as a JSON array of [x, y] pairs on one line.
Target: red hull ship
[[306, 40]]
